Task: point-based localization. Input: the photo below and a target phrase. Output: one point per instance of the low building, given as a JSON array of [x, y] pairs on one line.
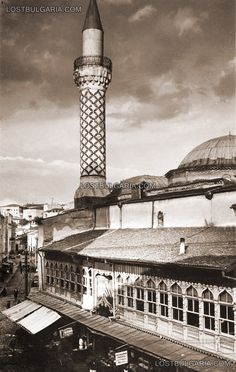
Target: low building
[[31, 211], [15, 210]]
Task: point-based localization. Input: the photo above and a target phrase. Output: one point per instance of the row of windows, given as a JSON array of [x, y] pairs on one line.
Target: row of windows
[[135, 297], [71, 278]]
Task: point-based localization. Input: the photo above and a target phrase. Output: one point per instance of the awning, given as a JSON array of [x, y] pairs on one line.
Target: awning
[[19, 311], [149, 343], [39, 319]]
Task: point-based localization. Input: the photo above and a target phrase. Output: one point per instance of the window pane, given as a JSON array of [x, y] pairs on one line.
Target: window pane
[[190, 305], [223, 311], [212, 309], [193, 319], [230, 313], [231, 328], [174, 301], [180, 302], [140, 305]]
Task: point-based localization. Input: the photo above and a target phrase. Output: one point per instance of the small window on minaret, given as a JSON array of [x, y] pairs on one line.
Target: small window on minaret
[[160, 218]]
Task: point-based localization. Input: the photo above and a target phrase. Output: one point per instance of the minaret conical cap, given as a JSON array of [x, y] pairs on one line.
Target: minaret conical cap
[[92, 19]]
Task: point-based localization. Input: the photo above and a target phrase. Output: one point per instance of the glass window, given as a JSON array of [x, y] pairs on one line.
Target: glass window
[[208, 310], [177, 302], [130, 295], [140, 299], [120, 291], [151, 297], [192, 307], [163, 300], [226, 313]]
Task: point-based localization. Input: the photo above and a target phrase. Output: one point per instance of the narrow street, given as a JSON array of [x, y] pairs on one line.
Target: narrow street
[[18, 356]]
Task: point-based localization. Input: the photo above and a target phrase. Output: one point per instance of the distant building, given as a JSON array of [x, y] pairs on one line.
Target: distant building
[[15, 210], [7, 234], [30, 211]]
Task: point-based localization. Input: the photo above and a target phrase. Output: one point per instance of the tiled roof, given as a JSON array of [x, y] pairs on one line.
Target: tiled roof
[[153, 245]]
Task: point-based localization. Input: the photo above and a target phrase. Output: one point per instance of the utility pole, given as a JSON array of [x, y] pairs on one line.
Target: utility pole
[[26, 274]]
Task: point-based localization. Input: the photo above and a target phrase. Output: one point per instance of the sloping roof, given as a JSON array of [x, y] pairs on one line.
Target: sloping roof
[[151, 245], [216, 151]]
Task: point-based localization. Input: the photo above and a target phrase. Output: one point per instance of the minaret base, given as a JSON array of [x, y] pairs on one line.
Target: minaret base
[[92, 190]]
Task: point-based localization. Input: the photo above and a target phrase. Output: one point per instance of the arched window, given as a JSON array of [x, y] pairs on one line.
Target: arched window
[[139, 282], [208, 310], [128, 280], [177, 302], [151, 297], [192, 307], [163, 300], [151, 284], [226, 313], [120, 291]]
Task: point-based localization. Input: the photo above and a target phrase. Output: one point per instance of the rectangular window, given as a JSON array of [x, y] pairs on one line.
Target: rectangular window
[[130, 295], [209, 315], [120, 295], [151, 301], [164, 304], [227, 319], [140, 299], [193, 312], [177, 305]]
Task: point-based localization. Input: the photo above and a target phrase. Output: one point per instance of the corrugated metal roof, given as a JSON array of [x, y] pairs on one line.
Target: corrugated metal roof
[[40, 319], [19, 311], [144, 341]]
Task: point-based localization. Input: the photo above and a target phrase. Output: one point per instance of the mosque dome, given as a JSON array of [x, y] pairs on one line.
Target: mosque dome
[[216, 151], [215, 158]]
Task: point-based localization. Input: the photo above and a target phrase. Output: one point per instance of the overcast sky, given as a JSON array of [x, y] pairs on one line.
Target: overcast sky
[[172, 89]]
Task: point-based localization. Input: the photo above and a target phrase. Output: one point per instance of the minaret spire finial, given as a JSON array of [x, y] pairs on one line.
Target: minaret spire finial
[[92, 19]]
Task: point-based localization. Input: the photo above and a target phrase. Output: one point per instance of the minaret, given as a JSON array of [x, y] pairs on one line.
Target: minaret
[[92, 75]]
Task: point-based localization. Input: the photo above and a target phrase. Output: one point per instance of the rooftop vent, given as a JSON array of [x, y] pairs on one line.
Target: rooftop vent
[[182, 246]]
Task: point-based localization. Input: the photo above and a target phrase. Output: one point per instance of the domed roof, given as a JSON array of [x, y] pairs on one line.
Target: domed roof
[[217, 151]]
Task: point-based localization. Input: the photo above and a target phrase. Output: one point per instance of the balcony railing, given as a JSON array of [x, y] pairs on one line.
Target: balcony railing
[[93, 60]]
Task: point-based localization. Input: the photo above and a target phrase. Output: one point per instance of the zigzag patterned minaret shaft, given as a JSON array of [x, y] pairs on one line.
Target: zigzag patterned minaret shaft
[[92, 75]]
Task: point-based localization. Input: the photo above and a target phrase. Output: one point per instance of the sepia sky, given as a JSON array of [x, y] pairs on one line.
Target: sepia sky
[[172, 89]]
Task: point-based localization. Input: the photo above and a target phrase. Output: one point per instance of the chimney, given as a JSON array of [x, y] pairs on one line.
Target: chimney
[[182, 246]]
